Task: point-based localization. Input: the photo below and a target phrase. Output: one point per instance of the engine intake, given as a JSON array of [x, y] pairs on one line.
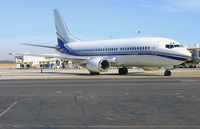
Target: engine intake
[[98, 65]]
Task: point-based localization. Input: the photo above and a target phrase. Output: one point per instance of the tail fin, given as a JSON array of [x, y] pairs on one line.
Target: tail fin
[[63, 35]]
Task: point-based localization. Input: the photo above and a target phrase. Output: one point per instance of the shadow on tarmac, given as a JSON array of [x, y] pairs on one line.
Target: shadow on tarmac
[[108, 74]]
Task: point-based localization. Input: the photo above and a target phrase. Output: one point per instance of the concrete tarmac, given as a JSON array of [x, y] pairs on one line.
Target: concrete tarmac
[[142, 103], [6, 74]]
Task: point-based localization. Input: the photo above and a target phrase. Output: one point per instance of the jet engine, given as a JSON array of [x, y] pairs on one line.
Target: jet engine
[[98, 65]]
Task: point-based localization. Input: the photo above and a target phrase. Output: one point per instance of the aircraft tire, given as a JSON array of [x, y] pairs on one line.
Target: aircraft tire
[[167, 73], [123, 71]]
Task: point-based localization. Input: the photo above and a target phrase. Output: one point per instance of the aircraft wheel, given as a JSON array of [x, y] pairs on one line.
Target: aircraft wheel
[[123, 71], [167, 73]]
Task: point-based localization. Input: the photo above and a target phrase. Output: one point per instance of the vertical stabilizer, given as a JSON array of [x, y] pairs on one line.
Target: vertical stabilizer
[[63, 35]]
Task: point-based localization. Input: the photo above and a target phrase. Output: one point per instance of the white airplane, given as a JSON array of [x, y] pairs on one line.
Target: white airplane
[[99, 56]]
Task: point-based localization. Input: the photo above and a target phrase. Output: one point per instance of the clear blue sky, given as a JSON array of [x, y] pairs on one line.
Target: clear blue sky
[[32, 21]]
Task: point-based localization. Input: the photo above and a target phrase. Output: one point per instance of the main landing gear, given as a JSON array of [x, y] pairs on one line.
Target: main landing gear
[[123, 71], [167, 73]]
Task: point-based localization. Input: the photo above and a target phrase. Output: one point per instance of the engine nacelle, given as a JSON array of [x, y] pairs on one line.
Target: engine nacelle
[[98, 65]]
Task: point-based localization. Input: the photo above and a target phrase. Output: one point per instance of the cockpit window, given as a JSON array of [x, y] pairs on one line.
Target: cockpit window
[[169, 46], [172, 46], [176, 45]]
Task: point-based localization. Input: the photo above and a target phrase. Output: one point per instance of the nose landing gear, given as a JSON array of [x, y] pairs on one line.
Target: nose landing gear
[[167, 73]]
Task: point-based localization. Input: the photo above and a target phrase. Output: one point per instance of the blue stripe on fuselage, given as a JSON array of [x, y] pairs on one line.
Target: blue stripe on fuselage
[[64, 49], [60, 42]]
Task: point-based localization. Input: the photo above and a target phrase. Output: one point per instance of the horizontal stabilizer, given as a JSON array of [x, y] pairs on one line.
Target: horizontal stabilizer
[[36, 45]]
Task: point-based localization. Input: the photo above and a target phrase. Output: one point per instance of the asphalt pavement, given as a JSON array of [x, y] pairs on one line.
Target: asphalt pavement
[[100, 103]]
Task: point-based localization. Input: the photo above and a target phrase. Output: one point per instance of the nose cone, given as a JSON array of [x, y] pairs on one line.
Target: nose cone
[[184, 53], [188, 54]]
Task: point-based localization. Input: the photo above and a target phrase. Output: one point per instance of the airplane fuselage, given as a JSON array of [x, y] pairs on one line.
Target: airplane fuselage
[[143, 52]]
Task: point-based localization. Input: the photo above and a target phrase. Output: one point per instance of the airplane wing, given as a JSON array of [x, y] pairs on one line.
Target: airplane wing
[[51, 56]]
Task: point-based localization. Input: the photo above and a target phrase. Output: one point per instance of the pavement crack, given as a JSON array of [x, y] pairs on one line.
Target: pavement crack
[[77, 99]]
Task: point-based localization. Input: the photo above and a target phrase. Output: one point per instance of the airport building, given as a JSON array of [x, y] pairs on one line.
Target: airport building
[[26, 61]]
